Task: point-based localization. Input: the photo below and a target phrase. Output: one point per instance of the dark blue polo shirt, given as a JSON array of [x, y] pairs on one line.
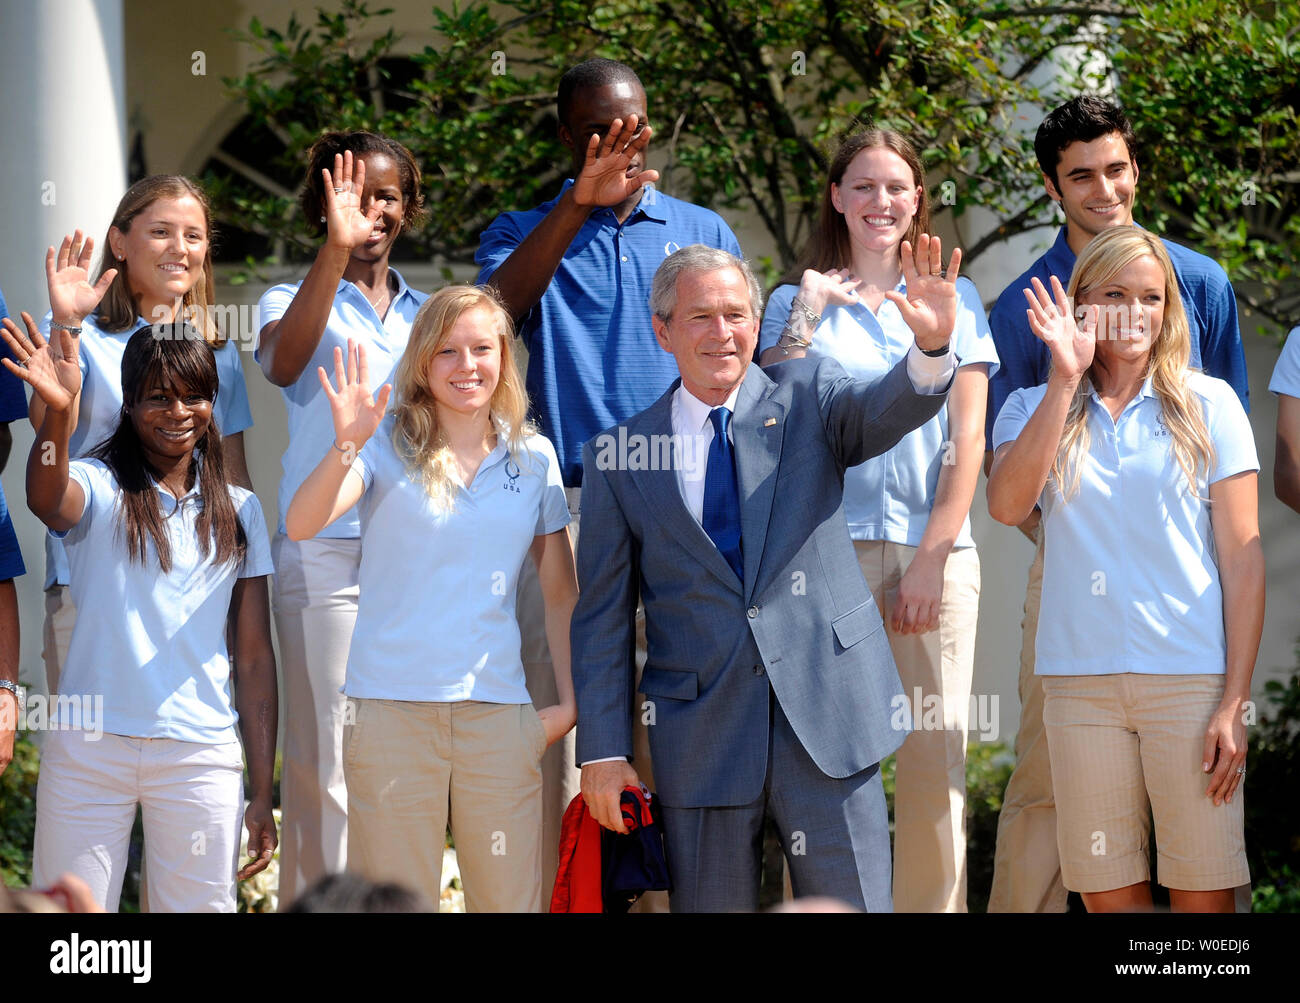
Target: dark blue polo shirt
[[593, 360]]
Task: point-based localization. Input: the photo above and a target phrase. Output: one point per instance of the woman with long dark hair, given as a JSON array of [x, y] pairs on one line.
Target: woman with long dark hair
[[361, 192], [870, 278], [164, 555]]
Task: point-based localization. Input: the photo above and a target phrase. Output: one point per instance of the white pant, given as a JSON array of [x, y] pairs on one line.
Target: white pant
[[315, 602], [192, 798]]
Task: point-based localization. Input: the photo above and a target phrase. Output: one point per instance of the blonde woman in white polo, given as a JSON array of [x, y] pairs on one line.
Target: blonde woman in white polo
[[1153, 580], [454, 492]]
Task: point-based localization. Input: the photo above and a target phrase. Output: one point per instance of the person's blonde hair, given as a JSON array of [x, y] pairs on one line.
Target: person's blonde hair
[[1171, 348], [417, 435]]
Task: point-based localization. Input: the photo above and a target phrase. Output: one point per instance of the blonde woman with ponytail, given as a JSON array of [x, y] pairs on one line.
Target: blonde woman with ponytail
[[1153, 581], [454, 491]]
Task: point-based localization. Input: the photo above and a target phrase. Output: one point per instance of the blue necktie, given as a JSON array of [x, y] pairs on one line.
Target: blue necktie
[[721, 517]]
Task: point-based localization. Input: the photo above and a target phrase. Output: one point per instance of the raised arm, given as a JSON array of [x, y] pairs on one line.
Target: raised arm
[[817, 292], [286, 346], [523, 277], [334, 487], [1234, 519], [1021, 468], [256, 704], [56, 380], [72, 299], [553, 555]]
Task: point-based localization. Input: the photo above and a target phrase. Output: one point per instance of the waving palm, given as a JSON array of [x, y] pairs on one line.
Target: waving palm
[[67, 273], [346, 223], [1071, 343], [356, 413], [55, 378], [603, 179], [929, 307]]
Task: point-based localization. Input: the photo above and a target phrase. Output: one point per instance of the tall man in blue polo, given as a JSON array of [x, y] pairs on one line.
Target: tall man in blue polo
[[1087, 153], [575, 273]]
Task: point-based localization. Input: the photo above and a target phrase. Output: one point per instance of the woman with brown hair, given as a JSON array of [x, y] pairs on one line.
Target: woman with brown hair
[[871, 278], [156, 269]]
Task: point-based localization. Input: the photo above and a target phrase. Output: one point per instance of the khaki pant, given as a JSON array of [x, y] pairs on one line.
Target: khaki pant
[[1026, 863], [930, 785], [411, 767], [315, 602], [561, 778], [60, 618]]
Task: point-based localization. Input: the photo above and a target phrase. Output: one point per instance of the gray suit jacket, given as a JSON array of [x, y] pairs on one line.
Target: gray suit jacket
[[803, 619]]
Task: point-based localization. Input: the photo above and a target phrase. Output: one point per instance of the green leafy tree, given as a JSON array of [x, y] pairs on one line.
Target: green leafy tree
[[747, 98]]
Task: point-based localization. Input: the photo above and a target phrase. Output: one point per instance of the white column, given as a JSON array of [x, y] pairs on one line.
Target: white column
[[62, 132], [62, 166]]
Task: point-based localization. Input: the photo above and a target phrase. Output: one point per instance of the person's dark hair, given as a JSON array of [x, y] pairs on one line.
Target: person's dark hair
[[591, 74], [1079, 120], [351, 893], [828, 246], [175, 355], [321, 157]]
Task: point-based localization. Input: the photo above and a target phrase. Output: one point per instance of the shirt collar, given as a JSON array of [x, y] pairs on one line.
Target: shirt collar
[[1059, 258], [695, 413], [168, 502], [1147, 390], [652, 204], [402, 288]]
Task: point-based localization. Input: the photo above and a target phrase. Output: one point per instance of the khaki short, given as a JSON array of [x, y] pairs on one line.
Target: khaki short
[[1124, 748]]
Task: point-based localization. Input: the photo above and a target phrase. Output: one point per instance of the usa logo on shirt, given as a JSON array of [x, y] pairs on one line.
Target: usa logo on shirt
[[512, 477], [1163, 429]]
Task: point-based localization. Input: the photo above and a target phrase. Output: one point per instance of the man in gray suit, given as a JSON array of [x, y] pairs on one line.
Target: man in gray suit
[[769, 684]]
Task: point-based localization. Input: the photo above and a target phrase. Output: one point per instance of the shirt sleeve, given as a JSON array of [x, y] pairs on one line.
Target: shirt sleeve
[[971, 338], [1286, 374], [96, 485], [13, 399], [257, 555], [930, 374], [1017, 350], [231, 406], [1012, 418], [553, 512], [1234, 442], [496, 243], [727, 239], [1222, 354], [775, 316], [270, 308], [364, 465]]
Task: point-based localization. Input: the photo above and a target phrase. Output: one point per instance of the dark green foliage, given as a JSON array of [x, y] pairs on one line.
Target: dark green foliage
[[18, 814], [747, 98]]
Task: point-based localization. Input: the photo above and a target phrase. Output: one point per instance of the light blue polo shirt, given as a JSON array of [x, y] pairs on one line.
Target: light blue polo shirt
[[436, 618], [100, 353], [1286, 374], [154, 644], [593, 360], [889, 497], [1130, 582], [311, 428]]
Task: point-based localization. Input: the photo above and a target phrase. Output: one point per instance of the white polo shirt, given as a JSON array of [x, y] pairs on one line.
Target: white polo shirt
[[436, 615], [1286, 374], [311, 429], [889, 497], [1130, 582], [154, 644], [100, 354]]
